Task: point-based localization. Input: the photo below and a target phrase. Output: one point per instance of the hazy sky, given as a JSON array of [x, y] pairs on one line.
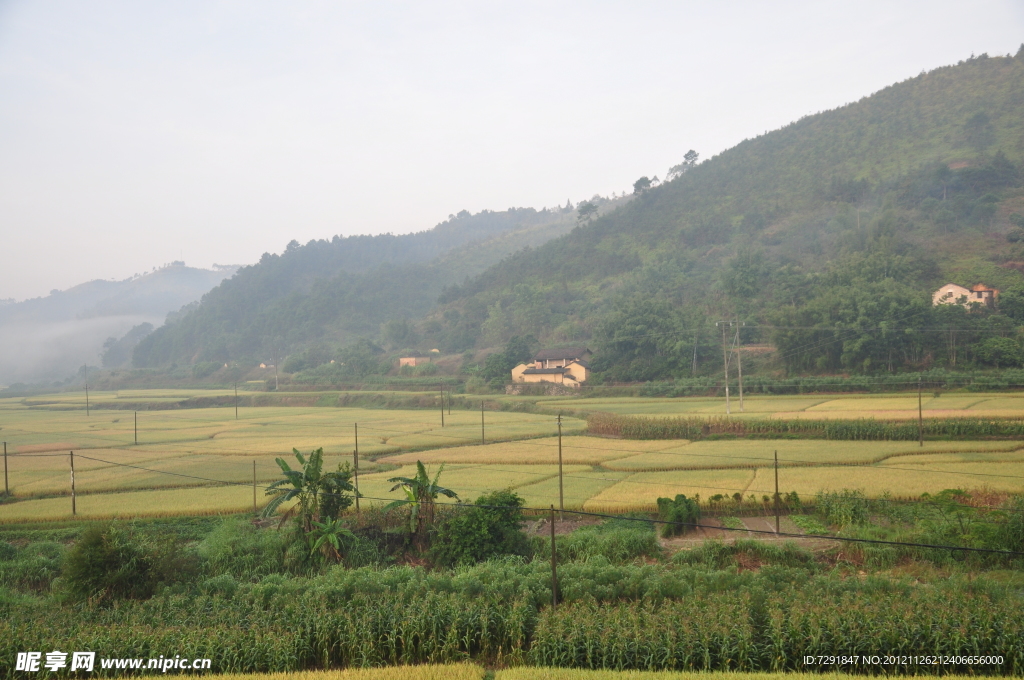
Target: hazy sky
[[136, 133]]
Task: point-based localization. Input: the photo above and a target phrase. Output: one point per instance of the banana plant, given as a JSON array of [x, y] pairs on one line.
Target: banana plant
[[420, 493], [311, 486], [327, 536]]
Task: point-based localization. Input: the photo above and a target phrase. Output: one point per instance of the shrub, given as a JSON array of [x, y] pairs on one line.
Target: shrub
[[680, 511], [843, 508], [246, 551], [108, 563], [489, 529], [617, 541]]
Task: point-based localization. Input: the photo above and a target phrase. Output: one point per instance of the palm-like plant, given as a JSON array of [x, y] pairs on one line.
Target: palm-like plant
[[327, 536], [420, 493], [313, 488]]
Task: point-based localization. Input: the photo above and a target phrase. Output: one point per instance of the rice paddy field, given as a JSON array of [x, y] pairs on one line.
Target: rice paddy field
[[902, 406], [203, 460]]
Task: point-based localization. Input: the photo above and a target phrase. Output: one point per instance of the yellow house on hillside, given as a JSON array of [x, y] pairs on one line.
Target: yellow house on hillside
[[978, 294], [566, 366]]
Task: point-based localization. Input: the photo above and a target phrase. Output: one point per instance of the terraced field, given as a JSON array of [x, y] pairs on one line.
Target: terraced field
[[201, 460]]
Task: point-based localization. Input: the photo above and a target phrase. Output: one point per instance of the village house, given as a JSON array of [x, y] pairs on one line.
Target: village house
[[566, 366], [978, 294]]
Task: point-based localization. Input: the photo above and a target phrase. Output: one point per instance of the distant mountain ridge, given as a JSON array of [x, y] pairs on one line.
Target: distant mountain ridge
[[47, 338], [345, 287]]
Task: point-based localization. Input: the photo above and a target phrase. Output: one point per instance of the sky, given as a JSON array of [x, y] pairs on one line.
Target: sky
[[137, 133]]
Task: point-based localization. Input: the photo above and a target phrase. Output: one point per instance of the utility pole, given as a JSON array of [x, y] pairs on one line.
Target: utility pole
[[442, 403], [136, 427], [561, 495], [482, 439], [74, 510], [236, 401], [725, 361], [355, 466], [693, 366], [739, 363], [7, 487], [920, 415], [277, 360], [777, 499], [87, 390], [554, 563]]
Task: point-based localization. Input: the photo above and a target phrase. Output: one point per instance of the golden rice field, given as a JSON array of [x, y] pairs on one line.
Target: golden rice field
[[901, 406], [199, 461]]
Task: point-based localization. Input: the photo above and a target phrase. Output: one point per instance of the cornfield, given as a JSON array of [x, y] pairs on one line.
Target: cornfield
[[767, 626], [639, 427]]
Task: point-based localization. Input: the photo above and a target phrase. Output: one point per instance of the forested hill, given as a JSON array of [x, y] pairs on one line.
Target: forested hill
[[342, 288], [847, 217], [825, 238]]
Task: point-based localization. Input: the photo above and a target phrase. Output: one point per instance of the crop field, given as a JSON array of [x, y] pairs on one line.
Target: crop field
[[902, 406], [468, 671], [201, 460]]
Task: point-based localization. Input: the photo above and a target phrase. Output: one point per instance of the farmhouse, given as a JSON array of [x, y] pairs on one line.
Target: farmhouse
[[566, 366], [978, 294]]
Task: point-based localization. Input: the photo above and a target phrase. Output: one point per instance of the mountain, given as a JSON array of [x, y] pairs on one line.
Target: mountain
[[346, 287], [822, 239], [49, 337]]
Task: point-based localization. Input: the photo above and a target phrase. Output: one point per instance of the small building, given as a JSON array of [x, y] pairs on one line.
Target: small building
[[566, 366], [977, 295]]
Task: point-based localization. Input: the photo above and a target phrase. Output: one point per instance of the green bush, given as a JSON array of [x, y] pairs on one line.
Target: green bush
[[244, 550], [109, 563], [618, 541], [680, 511], [489, 529]]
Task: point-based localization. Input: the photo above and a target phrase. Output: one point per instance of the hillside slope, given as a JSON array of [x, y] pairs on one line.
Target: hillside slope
[[824, 238], [344, 288], [907, 188]]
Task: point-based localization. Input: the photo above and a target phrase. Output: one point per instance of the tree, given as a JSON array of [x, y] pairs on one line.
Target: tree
[[689, 160], [585, 212], [490, 528], [420, 493], [641, 185]]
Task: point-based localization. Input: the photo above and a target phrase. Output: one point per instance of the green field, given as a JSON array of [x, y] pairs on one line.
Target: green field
[[201, 460]]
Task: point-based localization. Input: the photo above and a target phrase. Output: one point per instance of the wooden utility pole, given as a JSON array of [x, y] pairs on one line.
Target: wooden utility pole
[[277, 360], [136, 427], [254, 510], [441, 387], [355, 466], [482, 439], [561, 496], [920, 415], [725, 361], [7, 488], [74, 510], [554, 563], [777, 498], [739, 363]]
